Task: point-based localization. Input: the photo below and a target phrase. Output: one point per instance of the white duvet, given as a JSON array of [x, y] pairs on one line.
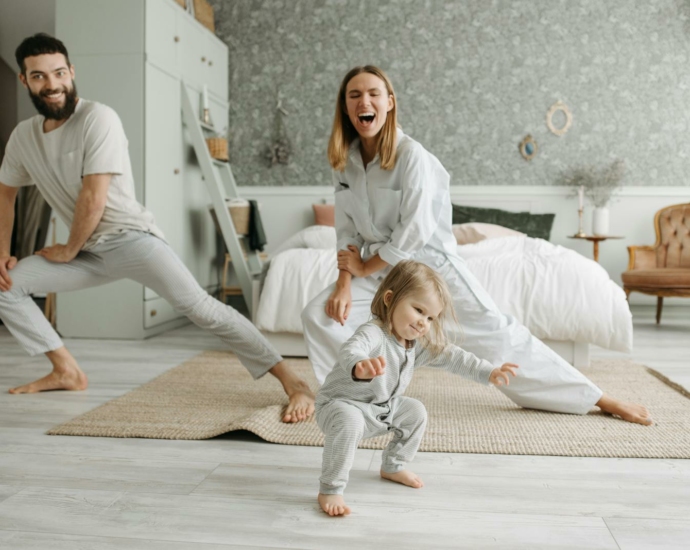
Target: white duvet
[[557, 293]]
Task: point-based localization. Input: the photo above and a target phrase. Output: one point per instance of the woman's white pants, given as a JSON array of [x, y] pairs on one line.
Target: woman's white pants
[[544, 380]]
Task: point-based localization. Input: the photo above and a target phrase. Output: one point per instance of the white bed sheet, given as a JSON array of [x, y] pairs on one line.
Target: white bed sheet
[[557, 293]]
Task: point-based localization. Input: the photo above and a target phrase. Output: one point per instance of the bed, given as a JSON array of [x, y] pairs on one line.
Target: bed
[[565, 299]]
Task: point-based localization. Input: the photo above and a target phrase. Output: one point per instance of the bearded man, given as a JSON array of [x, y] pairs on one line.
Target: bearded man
[[75, 152]]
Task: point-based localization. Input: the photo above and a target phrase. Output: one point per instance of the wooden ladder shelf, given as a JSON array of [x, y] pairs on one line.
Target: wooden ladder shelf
[[220, 183]]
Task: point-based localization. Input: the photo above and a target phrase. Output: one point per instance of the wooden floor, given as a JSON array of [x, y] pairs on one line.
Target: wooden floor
[[240, 492]]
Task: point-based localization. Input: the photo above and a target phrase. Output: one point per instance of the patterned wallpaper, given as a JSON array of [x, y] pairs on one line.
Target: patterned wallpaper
[[473, 77]]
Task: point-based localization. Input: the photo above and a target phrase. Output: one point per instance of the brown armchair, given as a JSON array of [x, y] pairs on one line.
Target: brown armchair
[[663, 269]]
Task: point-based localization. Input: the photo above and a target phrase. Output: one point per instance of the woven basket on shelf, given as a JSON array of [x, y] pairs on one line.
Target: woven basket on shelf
[[218, 147], [203, 11], [240, 219]]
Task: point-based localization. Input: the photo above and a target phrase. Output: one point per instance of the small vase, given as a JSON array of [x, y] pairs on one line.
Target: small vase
[[600, 221]]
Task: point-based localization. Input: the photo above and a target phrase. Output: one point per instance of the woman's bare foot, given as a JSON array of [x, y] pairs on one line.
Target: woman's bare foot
[[66, 375], [627, 411], [301, 399], [405, 477], [334, 505]]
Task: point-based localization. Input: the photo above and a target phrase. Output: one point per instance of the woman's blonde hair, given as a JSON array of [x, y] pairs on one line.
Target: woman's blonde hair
[[344, 133], [408, 278]]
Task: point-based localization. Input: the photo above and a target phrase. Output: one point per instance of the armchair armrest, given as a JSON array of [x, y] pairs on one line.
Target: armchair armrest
[[641, 257]]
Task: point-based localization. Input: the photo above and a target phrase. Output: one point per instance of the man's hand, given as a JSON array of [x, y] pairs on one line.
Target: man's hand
[[351, 260], [58, 253], [499, 376], [370, 368], [6, 263]]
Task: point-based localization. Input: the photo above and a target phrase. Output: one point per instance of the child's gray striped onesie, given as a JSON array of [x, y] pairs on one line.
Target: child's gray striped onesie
[[348, 410]]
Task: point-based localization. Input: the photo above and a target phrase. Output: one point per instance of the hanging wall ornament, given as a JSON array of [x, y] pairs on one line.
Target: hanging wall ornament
[[528, 147], [279, 150], [557, 107]]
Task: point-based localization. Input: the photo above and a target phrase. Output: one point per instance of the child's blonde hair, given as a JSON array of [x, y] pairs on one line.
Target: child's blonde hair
[[344, 133], [406, 279]]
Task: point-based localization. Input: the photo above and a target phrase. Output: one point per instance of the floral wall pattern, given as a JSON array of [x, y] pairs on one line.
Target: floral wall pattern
[[473, 77]]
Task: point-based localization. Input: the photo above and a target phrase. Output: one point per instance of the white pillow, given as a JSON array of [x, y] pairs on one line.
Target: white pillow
[[469, 233], [314, 236]]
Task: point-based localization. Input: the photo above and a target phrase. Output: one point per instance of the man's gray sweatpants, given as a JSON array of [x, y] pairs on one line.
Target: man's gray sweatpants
[[346, 423], [141, 257]]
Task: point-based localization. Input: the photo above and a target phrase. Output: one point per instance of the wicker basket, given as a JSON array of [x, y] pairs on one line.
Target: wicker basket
[[203, 11], [218, 147], [240, 219], [182, 3]]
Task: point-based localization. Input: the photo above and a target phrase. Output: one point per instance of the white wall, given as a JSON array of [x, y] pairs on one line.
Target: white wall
[[286, 210]]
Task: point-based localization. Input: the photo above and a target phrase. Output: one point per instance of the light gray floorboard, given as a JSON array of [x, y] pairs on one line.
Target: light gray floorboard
[[141, 475], [650, 534], [22, 540], [289, 525], [466, 493], [237, 491]]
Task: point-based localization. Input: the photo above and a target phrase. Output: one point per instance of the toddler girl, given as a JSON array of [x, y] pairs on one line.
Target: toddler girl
[[363, 395]]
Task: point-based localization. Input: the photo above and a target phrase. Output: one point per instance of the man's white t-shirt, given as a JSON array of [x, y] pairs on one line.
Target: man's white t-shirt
[[92, 141]]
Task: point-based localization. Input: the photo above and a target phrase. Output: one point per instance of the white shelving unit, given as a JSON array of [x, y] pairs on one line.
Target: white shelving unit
[[132, 55]]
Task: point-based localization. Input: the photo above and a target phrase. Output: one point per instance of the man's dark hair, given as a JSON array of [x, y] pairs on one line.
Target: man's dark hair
[[39, 44]]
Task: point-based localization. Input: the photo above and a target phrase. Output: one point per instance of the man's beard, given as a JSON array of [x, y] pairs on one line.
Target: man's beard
[[55, 112]]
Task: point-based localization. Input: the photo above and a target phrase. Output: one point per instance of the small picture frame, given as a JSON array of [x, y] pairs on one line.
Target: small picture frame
[[528, 147], [557, 107]]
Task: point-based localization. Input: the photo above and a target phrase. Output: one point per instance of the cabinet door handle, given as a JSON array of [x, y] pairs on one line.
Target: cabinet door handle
[[210, 63], [153, 313], [177, 171], [203, 60], [177, 39]]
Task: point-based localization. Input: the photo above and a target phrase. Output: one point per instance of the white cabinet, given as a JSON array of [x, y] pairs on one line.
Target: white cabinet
[[132, 55]]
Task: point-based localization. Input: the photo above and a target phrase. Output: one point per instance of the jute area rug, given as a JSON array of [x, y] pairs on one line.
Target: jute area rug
[[213, 394]]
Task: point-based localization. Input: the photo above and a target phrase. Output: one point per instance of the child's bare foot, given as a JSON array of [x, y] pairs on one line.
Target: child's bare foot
[[405, 477], [631, 412], [334, 505]]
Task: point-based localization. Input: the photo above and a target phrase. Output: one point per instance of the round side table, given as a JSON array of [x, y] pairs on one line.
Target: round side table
[[596, 239]]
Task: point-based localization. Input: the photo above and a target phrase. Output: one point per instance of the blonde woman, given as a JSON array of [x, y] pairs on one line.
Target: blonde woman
[[363, 397], [392, 203]]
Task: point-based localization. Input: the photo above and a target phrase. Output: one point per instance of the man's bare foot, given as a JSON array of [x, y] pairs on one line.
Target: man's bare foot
[[627, 411], [301, 404], [66, 375], [334, 505], [72, 381], [405, 477], [301, 399]]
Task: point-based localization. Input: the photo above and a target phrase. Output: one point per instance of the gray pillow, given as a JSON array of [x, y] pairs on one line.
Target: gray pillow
[[532, 225]]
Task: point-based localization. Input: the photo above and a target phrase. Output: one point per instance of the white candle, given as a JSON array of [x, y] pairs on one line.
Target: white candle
[[204, 97], [580, 195]]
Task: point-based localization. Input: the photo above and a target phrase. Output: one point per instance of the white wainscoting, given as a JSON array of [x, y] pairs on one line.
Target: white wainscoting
[[286, 210]]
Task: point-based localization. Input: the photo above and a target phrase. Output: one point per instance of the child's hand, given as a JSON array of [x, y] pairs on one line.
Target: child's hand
[[370, 368], [499, 376]]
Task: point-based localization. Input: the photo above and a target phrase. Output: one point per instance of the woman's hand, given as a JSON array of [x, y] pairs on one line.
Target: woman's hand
[[339, 304], [499, 376], [351, 260]]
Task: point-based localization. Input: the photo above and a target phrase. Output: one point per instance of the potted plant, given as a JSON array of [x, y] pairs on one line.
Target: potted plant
[[598, 185]]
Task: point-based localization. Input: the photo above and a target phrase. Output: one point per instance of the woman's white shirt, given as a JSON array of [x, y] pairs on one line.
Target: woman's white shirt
[[400, 214]]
